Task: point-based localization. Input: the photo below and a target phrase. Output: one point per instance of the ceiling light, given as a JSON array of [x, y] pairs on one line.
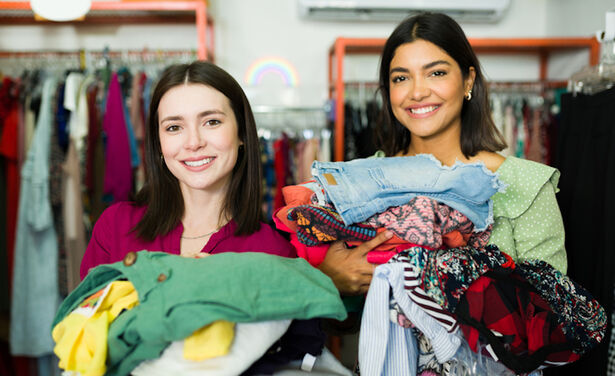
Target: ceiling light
[[61, 10]]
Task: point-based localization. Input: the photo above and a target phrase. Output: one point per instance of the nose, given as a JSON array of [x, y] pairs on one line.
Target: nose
[[419, 89], [195, 139]]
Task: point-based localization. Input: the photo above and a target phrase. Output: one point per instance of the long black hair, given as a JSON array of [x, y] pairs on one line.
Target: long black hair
[[161, 193], [478, 132]]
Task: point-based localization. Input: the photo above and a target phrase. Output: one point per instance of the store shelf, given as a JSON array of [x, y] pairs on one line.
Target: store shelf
[[127, 13]]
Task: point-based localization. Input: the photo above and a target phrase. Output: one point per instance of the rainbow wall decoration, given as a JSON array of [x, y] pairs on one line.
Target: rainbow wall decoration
[[272, 65]]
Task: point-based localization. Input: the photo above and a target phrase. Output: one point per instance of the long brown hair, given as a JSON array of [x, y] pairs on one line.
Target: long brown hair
[[161, 194], [478, 131]]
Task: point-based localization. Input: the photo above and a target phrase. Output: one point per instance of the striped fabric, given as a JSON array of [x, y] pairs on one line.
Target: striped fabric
[[387, 348], [419, 297]]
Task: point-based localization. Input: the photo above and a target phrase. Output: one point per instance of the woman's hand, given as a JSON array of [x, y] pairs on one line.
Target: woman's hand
[[348, 267]]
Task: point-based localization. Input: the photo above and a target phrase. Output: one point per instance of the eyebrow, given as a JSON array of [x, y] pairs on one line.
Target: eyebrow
[[201, 115], [426, 66]]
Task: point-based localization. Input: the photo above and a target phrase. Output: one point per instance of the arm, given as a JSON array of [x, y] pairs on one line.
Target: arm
[[348, 268], [539, 231]]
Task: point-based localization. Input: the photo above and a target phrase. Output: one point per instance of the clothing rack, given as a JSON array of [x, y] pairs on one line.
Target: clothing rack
[[131, 110], [542, 47], [128, 12], [305, 121], [14, 62], [525, 86]]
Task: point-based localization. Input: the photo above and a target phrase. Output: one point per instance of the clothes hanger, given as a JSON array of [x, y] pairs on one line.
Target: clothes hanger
[[593, 79]]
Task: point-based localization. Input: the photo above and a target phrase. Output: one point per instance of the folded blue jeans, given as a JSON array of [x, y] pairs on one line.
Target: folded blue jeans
[[363, 187]]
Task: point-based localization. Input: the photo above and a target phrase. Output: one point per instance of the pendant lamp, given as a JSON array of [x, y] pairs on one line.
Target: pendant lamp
[[61, 10]]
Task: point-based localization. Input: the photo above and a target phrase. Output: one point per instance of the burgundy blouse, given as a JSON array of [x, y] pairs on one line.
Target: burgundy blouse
[[112, 239]]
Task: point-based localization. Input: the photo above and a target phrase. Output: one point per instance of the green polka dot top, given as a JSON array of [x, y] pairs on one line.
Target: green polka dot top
[[528, 223]]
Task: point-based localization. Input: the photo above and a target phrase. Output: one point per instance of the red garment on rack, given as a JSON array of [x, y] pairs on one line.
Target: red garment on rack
[[282, 169], [8, 148]]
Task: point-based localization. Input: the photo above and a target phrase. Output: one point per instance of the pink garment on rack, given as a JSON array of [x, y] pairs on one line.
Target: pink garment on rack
[[118, 170], [509, 131], [307, 153], [535, 149]]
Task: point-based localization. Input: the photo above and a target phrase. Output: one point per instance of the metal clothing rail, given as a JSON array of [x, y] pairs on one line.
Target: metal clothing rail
[[539, 46], [14, 62], [261, 109], [128, 12], [145, 53]]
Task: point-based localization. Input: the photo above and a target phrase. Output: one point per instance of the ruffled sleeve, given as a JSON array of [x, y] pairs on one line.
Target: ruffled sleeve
[[525, 179], [528, 222]]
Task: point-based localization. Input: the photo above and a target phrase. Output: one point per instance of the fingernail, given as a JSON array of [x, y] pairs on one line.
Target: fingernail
[[388, 234]]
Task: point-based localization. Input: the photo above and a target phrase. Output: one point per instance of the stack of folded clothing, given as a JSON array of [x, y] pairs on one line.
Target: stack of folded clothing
[[443, 300], [227, 314]]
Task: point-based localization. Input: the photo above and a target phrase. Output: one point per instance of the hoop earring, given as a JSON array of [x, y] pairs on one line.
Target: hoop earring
[[469, 95]]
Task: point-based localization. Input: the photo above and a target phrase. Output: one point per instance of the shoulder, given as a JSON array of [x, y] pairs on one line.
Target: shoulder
[[492, 161], [525, 179]]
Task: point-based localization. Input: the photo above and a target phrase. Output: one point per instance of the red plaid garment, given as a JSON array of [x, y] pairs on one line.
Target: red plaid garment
[[529, 333]]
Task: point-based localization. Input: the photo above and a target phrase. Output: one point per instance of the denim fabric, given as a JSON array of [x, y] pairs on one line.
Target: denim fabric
[[363, 187]]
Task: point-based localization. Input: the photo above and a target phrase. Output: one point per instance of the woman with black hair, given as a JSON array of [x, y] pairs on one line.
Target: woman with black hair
[[435, 101]]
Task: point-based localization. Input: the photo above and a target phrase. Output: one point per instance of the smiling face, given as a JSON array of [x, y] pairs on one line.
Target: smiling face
[[427, 91], [198, 137]]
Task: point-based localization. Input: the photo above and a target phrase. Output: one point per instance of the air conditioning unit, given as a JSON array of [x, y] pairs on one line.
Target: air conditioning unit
[[395, 10]]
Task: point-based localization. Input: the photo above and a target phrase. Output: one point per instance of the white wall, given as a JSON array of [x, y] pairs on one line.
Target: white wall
[[247, 30]]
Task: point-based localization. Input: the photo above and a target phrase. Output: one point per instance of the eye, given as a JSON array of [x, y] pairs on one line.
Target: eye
[[438, 73], [396, 79], [212, 122], [172, 128]]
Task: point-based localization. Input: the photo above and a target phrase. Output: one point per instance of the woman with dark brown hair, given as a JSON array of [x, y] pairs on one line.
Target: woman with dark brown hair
[[203, 188]]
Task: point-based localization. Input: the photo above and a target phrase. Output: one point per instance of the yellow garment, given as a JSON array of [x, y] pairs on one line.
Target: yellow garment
[[210, 341], [81, 338]]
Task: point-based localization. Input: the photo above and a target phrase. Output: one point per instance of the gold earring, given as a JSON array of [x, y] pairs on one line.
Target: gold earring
[[469, 95]]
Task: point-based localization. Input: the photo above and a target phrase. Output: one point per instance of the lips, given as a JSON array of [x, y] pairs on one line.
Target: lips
[[423, 109], [198, 163]]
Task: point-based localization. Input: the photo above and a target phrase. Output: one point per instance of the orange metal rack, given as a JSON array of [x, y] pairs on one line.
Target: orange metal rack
[[129, 12], [539, 46]]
